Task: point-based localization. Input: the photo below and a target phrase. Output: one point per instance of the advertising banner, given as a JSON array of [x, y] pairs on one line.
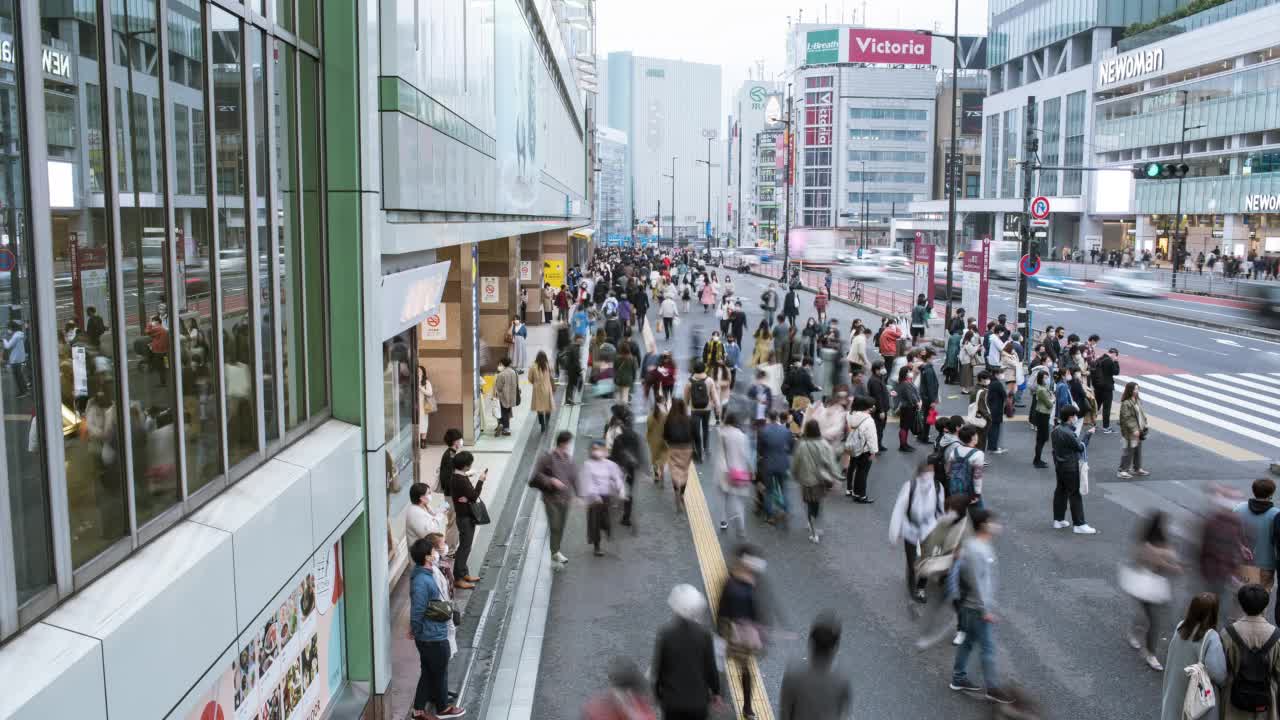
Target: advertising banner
[[290, 667], [970, 113], [896, 47], [977, 263], [822, 47], [553, 273], [922, 278]]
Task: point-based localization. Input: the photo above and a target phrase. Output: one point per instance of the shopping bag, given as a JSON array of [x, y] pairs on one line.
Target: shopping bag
[[1084, 477]]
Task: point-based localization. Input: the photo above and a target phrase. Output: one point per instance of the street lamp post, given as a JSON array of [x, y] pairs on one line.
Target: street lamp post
[[1175, 251], [709, 135], [951, 161], [786, 222], [673, 201]]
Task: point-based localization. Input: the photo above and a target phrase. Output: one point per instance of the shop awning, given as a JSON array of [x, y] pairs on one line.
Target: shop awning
[[412, 296], [582, 233]]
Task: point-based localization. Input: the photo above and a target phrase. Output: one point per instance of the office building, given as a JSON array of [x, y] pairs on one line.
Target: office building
[[1216, 74], [754, 104], [614, 220], [668, 108], [233, 234]]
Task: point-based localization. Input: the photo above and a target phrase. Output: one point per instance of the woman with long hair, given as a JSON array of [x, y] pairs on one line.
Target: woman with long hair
[[1133, 427], [677, 432], [815, 470], [657, 445], [541, 379], [735, 479], [764, 344], [706, 296], [908, 407], [1195, 640], [1146, 579], [426, 405], [970, 353], [741, 617]]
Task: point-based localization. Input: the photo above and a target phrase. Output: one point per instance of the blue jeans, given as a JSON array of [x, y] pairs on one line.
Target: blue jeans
[[775, 486], [977, 632]]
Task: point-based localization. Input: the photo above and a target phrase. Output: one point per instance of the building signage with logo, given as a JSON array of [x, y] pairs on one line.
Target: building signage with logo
[[822, 47], [971, 113], [1262, 203], [897, 47], [1127, 67], [56, 63]]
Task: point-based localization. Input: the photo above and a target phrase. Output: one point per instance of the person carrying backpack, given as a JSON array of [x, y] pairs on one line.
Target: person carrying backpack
[[965, 461], [702, 398], [1252, 647]]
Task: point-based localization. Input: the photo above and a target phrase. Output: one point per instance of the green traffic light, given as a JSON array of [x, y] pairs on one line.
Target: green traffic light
[[1153, 170]]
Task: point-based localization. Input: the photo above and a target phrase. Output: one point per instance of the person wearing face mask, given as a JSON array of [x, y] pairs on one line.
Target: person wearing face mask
[[555, 475], [439, 551], [599, 482], [465, 494], [908, 408], [812, 330], [420, 519], [1041, 411], [742, 616], [878, 389], [915, 514], [452, 446], [431, 636], [997, 394], [1104, 372], [928, 390], [713, 351]]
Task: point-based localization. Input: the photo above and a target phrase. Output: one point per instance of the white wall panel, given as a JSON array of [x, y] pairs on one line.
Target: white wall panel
[[72, 661], [332, 452]]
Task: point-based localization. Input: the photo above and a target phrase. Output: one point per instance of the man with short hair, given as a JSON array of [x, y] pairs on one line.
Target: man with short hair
[[1104, 372], [774, 446], [701, 396], [506, 388], [975, 575], [1258, 516], [813, 690], [555, 475], [1252, 647], [1067, 448]]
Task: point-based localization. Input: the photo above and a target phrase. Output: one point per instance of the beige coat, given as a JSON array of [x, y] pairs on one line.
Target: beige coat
[[542, 389], [504, 387], [1254, 631]]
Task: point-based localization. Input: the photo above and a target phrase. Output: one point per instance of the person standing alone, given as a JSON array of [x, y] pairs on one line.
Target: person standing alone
[[1067, 448], [1258, 516]]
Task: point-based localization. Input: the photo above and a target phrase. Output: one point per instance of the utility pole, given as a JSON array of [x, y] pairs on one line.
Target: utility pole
[[1031, 145], [737, 236], [710, 135], [786, 222], [952, 170], [864, 205], [673, 201], [1175, 252]]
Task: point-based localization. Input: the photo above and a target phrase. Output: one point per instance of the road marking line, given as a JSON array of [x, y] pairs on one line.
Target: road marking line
[[1174, 394], [1225, 449], [1246, 383], [1251, 394], [1201, 438], [1263, 378], [1212, 394], [714, 571]]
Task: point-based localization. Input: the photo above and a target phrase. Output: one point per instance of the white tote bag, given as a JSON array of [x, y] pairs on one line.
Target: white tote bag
[[1200, 697], [1084, 477]]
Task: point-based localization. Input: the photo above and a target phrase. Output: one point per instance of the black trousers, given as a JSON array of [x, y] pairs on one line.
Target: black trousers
[[466, 535], [913, 552], [433, 682], [598, 522], [667, 323], [504, 419], [855, 477], [1103, 396], [1042, 433], [572, 382], [701, 432], [1067, 492], [880, 421]]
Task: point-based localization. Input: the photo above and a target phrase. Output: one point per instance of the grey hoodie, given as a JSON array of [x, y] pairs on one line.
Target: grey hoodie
[[978, 575]]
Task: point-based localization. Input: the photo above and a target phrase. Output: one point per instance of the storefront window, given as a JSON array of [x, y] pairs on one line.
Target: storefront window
[[313, 240], [88, 364], [262, 242], [19, 395], [193, 235], [289, 239], [231, 173], [399, 371]]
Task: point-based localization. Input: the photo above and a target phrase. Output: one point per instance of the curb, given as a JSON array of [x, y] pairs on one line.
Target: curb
[[1244, 331]]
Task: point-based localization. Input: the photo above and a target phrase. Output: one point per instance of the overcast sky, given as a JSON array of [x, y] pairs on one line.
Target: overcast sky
[[735, 34]]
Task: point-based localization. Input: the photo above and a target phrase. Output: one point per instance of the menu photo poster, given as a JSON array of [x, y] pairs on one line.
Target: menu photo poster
[[291, 664]]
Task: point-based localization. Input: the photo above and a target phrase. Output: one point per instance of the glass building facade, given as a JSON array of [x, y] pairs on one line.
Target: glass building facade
[[1019, 27], [164, 316]]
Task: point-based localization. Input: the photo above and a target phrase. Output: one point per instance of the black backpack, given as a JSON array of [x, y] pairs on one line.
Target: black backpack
[[698, 395], [1251, 682]]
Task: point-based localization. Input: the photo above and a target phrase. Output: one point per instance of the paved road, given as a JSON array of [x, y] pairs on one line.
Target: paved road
[[1063, 622]]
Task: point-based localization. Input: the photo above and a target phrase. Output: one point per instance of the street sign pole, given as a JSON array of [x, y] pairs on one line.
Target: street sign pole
[[1030, 145]]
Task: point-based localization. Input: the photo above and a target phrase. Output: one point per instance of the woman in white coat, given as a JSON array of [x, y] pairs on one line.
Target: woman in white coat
[[735, 480], [915, 514]]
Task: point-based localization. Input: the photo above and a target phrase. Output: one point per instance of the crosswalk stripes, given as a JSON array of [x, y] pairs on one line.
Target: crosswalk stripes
[[1245, 404]]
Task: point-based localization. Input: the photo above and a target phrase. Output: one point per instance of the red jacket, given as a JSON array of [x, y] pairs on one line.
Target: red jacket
[[889, 341]]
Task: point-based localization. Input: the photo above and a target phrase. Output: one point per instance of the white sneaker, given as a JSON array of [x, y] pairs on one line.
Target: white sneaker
[[1124, 474], [999, 451], [1059, 524], [560, 558], [1141, 473], [1084, 530], [958, 639]]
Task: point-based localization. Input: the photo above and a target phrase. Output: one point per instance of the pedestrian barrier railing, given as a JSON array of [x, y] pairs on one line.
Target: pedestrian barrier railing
[[891, 301]]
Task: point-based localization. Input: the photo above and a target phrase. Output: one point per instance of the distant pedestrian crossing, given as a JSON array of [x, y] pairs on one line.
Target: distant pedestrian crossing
[[1244, 404]]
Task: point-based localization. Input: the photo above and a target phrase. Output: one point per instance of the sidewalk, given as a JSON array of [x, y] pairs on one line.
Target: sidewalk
[[500, 456]]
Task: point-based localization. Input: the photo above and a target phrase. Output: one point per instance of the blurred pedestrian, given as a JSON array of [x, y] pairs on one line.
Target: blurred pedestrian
[[774, 445], [815, 470], [626, 699], [735, 476], [627, 451], [599, 483], [657, 445], [1195, 640], [677, 433], [555, 476], [814, 690], [685, 675], [975, 587], [938, 552], [1146, 580], [915, 514], [1222, 548], [741, 617]]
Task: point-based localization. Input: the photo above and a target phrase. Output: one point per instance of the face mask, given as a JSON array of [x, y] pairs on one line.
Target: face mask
[[882, 373], [926, 476], [70, 335], [597, 454]]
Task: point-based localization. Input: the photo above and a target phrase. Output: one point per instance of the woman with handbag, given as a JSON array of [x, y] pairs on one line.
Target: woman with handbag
[[741, 617], [908, 408], [426, 405], [970, 351], [915, 514], [815, 470], [1195, 644], [1133, 428], [1146, 580], [468, 512], [735, 480], [429, 617]]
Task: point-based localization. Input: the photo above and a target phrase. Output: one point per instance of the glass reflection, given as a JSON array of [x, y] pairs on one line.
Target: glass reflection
[[262, 230], [289, 239], [87, 361], [230, 173], [313, 236], [19, 397], [193, 235]]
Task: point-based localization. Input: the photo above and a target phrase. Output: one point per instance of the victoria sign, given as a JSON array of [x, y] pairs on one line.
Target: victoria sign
[[897, 47]]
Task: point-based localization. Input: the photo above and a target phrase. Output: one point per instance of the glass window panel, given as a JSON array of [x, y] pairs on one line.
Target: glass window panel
[[193, 234], [289, 239], [314, 277], [144, 252], [87, 362], [262, 230], [19, 394], [231, 174], [308, 20], [283, 11]]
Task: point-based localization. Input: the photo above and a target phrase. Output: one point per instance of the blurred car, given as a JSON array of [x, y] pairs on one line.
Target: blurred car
[[1265, 301], [846, 258], [1137, 283], [748, 257], [864, 270], [890, 257], [1052, 279]]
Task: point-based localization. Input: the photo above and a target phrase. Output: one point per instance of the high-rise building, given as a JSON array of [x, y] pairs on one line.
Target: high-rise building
[[235, 236], [614, 220], [671, 113], [755, 103]]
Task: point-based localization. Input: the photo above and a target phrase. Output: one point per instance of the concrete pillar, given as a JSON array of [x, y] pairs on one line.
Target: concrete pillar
[[448, 354], [1234, 233], [555, 249], [531, 261], [496, 281]]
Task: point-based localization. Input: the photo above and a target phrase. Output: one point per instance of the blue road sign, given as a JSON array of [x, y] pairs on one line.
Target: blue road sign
[[7, 260], [1029, 265]]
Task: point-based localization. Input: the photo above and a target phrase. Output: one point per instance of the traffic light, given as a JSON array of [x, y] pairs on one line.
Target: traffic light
[[1160, 171]]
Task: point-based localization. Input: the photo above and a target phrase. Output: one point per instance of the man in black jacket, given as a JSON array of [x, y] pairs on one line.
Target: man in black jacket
[[686, 680], [791, 306], [879, 392], [1067, 448], [640, 303], [996, 395], [1104, 374], [799, 381], [928, 390]]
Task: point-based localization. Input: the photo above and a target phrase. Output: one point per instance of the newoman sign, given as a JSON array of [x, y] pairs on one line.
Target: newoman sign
[[1127, 67], [1262, 203], [897, 47]]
